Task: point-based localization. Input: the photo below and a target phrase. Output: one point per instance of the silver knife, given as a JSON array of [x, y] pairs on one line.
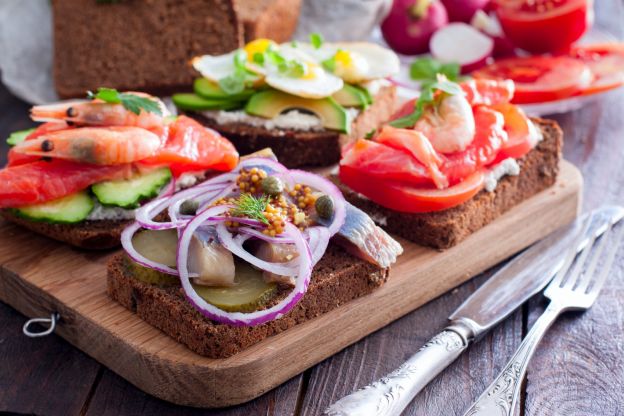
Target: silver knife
[[510, 287]]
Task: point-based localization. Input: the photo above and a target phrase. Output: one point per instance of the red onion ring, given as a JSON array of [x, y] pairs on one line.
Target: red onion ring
[[328, 188], [238, 318]]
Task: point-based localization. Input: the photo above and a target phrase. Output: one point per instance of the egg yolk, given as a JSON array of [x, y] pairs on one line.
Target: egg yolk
[[344, 58], [257, 46], [311, 70]]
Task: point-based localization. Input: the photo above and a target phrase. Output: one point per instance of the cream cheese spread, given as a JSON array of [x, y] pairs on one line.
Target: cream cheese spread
[[508, 166], [102, 213], [293, 119]]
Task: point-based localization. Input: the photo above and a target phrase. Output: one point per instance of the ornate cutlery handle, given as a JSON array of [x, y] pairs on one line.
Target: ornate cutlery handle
[[391, 394], [500, 397]]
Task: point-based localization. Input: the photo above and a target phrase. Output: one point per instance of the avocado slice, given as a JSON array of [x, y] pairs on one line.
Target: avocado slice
[[271, 103], [352, 96], [193, 102], [211, 91]]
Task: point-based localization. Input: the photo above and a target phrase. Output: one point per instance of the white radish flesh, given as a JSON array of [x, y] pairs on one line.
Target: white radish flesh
[[462, 44]]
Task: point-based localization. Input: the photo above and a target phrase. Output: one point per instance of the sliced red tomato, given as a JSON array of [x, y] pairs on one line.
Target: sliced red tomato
[[522, 133], [384, 162], [41, 181], [403, 197], [606, 63], [542, 26], [539, 78], [488, 91], [490, 136], [191, 147], [15, 158]]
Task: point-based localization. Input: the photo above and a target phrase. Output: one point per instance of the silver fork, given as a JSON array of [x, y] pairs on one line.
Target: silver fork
[[572, 288]]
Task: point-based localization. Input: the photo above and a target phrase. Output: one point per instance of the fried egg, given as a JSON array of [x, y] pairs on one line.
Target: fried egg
[[354, 62]]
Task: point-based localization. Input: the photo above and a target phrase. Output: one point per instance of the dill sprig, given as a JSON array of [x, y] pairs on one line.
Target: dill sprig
[[249, 206]]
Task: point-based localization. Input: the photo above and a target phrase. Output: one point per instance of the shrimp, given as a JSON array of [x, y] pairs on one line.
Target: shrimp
[[449, 126], [95, 145], [99, 113]]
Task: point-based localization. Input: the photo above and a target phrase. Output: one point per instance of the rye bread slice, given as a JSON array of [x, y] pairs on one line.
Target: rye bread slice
[[268, 19], [444, 229], [138, 45], [90, 235], [336, 279], [296, 148]]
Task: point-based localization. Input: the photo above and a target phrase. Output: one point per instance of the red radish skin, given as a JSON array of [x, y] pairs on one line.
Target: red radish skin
[[464, 10], [410, 24], [462, 44]]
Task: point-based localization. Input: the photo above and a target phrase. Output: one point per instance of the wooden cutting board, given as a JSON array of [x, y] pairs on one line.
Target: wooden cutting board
[[39, 276]]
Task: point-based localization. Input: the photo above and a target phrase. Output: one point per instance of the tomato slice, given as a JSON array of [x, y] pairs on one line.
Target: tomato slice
[[606, 63], [490, 136], [384, 162], [191, 147], [522, 133], [403, 197], [540, 78], [37, 182], [542, 26]]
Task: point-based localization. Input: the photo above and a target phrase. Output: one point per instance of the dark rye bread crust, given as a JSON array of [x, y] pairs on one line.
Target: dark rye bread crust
[[137, 44], [444, 229], [90, 235], [337, 279], [268, 19], [296, 148]]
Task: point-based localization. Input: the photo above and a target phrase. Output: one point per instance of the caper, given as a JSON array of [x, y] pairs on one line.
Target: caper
[[324, 206], [272, 186], [189, 207]]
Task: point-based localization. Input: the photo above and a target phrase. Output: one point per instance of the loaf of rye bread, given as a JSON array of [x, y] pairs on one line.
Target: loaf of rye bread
[[137, 44], [336, 279], [444, 229], [296, 148], [269, 19]]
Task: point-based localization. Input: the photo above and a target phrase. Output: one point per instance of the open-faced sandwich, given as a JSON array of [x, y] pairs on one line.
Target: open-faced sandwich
[[303, 100], [80, 176], [451, 162], [245, 255]]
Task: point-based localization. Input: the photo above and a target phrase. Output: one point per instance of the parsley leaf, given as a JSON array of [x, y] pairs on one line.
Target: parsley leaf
[[427, 69], [427, 97], [258, 58], [18, 136], [130, 102], [370, 134], [316, 39], [249, 206], [233, 83]]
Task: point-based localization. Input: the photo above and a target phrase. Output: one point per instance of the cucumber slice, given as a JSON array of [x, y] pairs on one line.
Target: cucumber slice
[[128, 193], [211, 91], [67, 210], [18, 136], [194, 102], [249, 294]]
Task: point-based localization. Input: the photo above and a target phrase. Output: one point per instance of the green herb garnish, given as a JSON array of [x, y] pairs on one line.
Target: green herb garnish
[[427, 69], [427, 98], [330, 64], [235, 82], [18, 136], [249, 206], [370, 134], [131, 102], [316, 39]]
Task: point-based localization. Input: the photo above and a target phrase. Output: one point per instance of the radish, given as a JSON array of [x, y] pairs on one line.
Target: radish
[[410, 24], [463, 10], [489, 24], [462, 44]]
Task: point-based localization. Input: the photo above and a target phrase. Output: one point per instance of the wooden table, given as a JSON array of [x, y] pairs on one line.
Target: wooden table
[[578, 368]]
